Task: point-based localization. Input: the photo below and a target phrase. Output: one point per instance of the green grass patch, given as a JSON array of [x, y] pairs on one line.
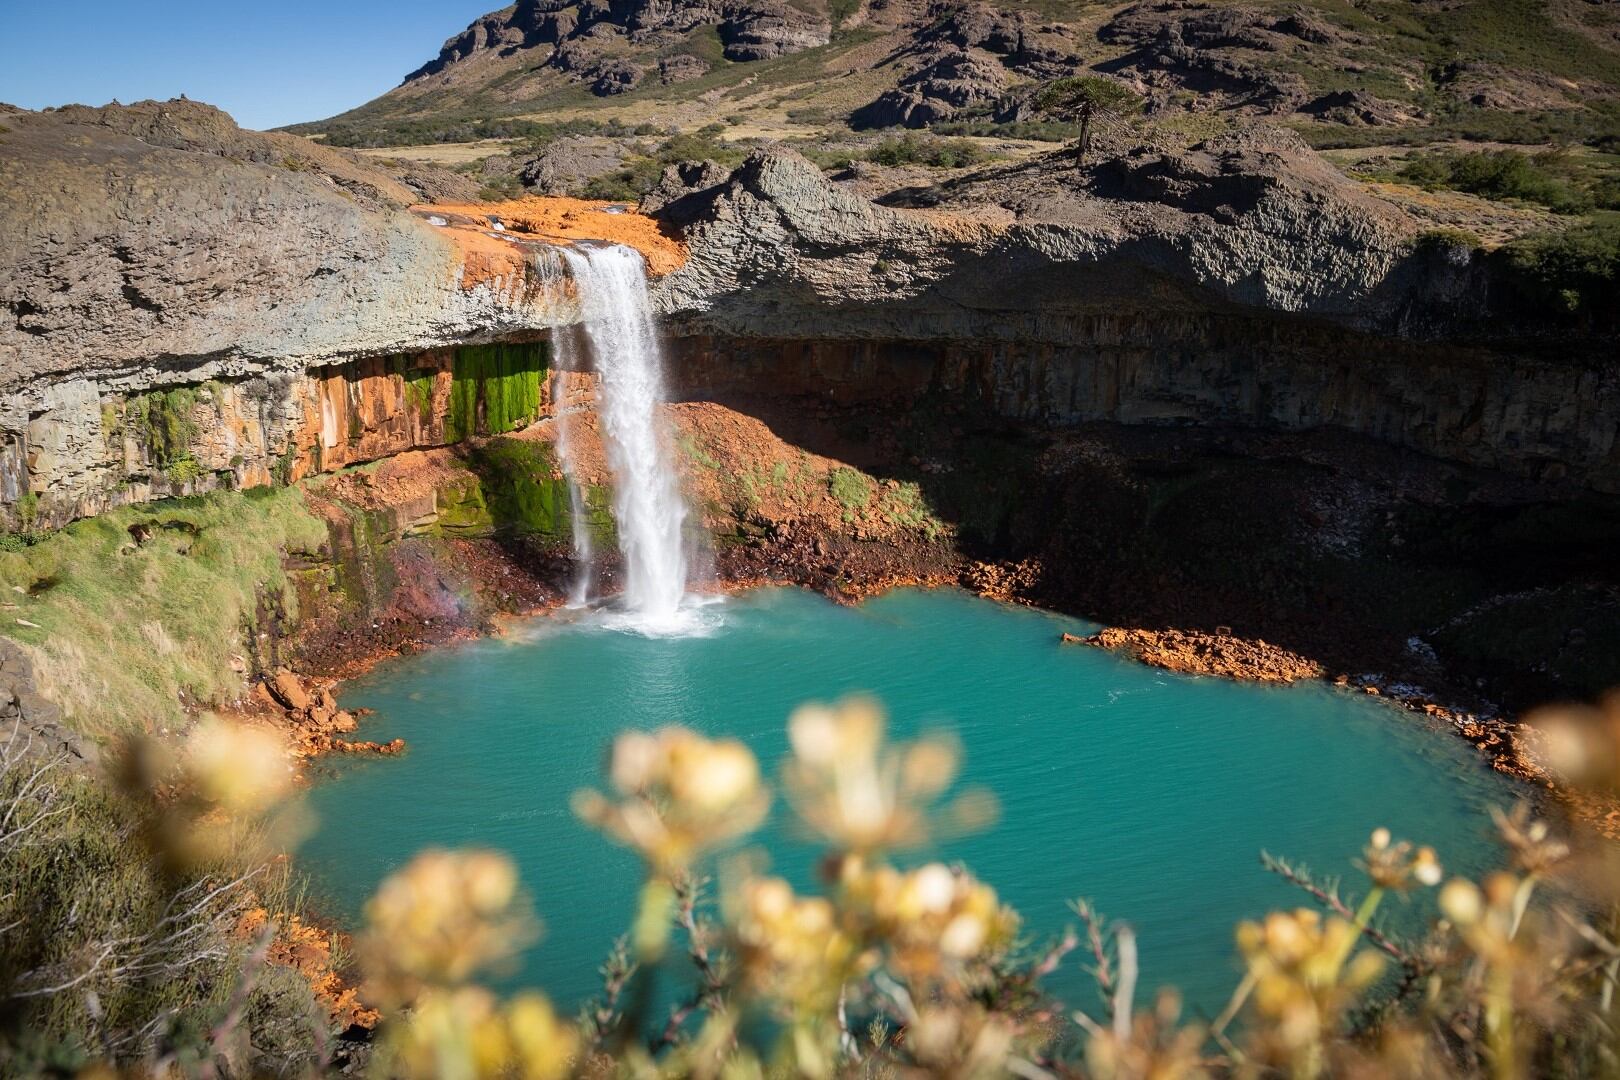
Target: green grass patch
[[129, 613], [1551, 179], [851, 487]]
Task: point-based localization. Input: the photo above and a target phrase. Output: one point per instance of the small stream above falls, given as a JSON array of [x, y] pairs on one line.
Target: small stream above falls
[[1151, 794]]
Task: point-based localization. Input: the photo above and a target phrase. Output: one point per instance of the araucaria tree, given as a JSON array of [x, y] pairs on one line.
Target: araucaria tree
[[1087, 98]]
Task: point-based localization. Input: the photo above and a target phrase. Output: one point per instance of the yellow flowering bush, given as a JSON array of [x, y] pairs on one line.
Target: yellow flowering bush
[[895, 970], [678, 795], [443, 918]]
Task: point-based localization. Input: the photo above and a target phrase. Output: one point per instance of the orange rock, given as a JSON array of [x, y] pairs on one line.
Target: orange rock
[[289, 690]]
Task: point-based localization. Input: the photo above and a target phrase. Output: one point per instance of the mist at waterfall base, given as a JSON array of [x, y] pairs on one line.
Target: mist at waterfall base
[[618, 328], [1152, 794]]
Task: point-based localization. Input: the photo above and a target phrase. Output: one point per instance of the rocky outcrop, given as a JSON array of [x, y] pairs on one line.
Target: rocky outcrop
[[1262, 225], [186, 306], [941, 89], [961, 59], [1215, 50], [588, 40], [568, 163], [159, 243], [1243, 282], [1193, 653]]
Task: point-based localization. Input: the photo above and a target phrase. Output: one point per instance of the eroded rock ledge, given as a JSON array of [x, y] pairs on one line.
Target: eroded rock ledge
[[300, 310]]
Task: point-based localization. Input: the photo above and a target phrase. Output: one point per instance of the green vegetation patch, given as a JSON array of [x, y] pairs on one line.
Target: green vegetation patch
[[127, 612], [496, 388], [164, 420], [523, 491], [938, 153], [1575, 272], [639, 175], [851, 487], [1551, 179]]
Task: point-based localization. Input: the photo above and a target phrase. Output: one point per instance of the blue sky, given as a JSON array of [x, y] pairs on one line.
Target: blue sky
[[267, 63]]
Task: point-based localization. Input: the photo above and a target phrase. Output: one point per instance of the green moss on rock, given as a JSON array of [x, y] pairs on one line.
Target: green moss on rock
[[527, 494], [495, 388]]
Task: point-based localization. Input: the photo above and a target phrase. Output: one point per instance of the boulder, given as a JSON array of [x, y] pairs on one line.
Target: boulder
[[288, 690], [569, 163], [682, 67]]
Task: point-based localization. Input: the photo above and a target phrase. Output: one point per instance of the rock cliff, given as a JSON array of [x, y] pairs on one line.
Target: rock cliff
[[186, 305], [1242, 282], [191, 306]]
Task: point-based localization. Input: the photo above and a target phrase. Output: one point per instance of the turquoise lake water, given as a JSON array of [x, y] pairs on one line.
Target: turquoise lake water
[[1151, 794]]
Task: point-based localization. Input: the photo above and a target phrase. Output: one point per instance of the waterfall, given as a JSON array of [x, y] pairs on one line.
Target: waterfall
[[647, 505], [567, 353]]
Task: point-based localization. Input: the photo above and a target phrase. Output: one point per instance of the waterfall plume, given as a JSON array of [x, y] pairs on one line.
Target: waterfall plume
[[617, 321]]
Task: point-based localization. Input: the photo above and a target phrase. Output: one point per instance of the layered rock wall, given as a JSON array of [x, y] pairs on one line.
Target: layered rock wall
[[88, 448], [1242, 283], [1546, 420]]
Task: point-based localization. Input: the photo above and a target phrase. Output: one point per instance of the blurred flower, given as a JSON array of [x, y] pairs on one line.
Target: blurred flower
[[680, 795], [1302, 983], [1398, 866], [220, 795], [1157, 1048], [242, 769], [443, 918], [1581, 743], [791, 948], [1487, 919], [959, 1041], [1535, 850], [462, 1034], [934, 919], [863, 797]]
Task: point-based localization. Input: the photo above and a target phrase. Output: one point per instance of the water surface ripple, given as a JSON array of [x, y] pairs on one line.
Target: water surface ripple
[[1150, 793]]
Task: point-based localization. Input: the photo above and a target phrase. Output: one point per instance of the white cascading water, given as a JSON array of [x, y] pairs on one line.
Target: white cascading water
[[567, 358], [647, 505]]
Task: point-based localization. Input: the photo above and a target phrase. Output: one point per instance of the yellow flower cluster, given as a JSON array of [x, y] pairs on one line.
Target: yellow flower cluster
[[961, 1041], [212, 797], [1486, 918], [934, 919], [679, 794], [792, 949], [241, 769], [862, 796], [1399, 866], [442, 918], [1301, 980], [464, 1034]]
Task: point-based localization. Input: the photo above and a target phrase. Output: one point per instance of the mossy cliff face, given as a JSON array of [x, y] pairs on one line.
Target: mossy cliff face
[[91, 447]]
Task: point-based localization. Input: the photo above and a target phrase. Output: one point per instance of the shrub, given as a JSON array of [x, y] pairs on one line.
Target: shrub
[[1500, 174], [911, 149], [1575, 271]]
